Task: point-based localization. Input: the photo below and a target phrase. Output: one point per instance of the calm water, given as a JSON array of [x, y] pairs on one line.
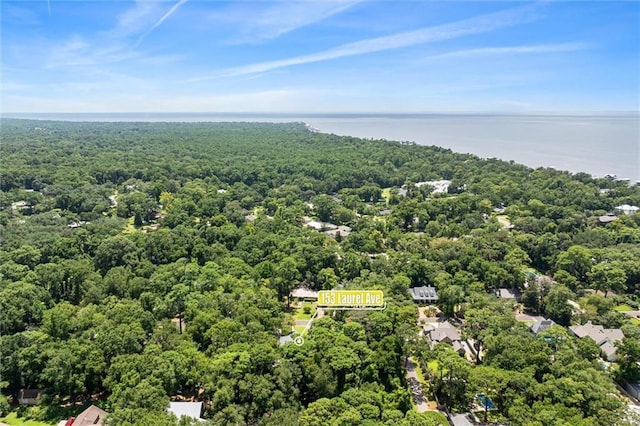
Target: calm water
[[594, 144]]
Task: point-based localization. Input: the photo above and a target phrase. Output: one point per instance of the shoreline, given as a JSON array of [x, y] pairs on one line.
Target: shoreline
[[599, 145]]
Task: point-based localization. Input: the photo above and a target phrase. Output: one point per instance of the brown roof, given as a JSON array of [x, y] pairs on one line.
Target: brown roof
[[29, 393], [91, 416]]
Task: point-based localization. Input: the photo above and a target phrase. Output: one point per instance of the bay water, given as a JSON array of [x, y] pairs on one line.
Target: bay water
[[595, 144]]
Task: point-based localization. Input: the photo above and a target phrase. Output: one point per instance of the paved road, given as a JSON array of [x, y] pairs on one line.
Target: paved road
[[416, 389]]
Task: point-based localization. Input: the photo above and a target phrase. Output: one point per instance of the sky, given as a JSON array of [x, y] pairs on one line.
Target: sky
[[317, 56]]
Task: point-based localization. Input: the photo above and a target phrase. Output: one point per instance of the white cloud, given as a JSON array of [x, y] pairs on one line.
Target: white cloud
[[136, 19], [112, 46], [164, 17], [77, 52], [144, 101], [286, 16], [477, 25], [515, 50]]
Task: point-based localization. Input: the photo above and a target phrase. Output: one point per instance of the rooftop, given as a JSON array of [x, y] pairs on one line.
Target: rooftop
[[424, 294], [91, 416], [541, 325], [508, 293], [304, 293], [186, 409]]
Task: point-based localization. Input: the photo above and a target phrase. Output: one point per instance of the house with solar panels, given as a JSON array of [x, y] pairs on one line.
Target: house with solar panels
[[424, 294]]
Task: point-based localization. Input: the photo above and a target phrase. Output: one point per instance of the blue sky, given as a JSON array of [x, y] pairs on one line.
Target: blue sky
[[319, 56]]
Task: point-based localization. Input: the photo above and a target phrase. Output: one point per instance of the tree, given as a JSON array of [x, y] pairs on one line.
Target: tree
[[577, 261], [342, 360], [556, 304], [450, 297], [116, 251], [429, 418], [607, 276], [491, 382], [628, 353]]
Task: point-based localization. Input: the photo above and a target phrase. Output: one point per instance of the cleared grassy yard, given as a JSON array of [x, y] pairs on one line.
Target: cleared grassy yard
[[13, 420], [623, 307], [299, 313]]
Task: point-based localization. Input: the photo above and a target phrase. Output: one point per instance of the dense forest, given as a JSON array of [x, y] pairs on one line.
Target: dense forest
[[147, 262]]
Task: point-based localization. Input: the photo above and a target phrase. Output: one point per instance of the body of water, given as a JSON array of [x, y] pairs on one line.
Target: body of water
[[595, 144]]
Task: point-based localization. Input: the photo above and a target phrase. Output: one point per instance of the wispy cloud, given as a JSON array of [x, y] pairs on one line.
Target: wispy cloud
[[515, 50], [136, 19], [477, 25], [78, 52], [286, 16], [114, 45], [164, 17]]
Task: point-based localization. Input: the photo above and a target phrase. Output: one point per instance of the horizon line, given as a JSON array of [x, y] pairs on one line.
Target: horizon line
[[335, 113]]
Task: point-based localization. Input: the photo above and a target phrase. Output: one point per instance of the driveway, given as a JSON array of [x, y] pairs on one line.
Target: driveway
[[416, 389]]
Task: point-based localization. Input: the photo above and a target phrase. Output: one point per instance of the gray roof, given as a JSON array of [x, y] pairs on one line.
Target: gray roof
[[424, 294], [187, 409], [304, 293], [604, 337], [462, 419], [285, 339], [507, 293], [609, 351], [541, 325], [445, 331], [607, 218]]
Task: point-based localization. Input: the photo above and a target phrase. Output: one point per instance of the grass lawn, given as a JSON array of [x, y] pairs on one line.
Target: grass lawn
[[419, 373], [386, 194], [13, 420], [299, 313], [299, 328], [623, 307], [129, 228]]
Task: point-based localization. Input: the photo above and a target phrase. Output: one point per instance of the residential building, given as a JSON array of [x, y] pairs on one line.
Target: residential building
[[424, 294], [91, 416], [186, 409], [541, 325], [508, 293], [604, 337], [29, 396], [304, 293]]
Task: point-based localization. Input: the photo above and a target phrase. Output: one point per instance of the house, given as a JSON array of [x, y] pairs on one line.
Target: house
[[463, 419], [91, 416], [608, 218], [627, 209], [541, 325], [424, 294], [445, 332], [303, 293], [508, 293], [604, 337], [632, 314], [633, 389], [439, 186], [314, 224], [21, 205], [343, 230], [186, 409], [29, 396], [283, 340]]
